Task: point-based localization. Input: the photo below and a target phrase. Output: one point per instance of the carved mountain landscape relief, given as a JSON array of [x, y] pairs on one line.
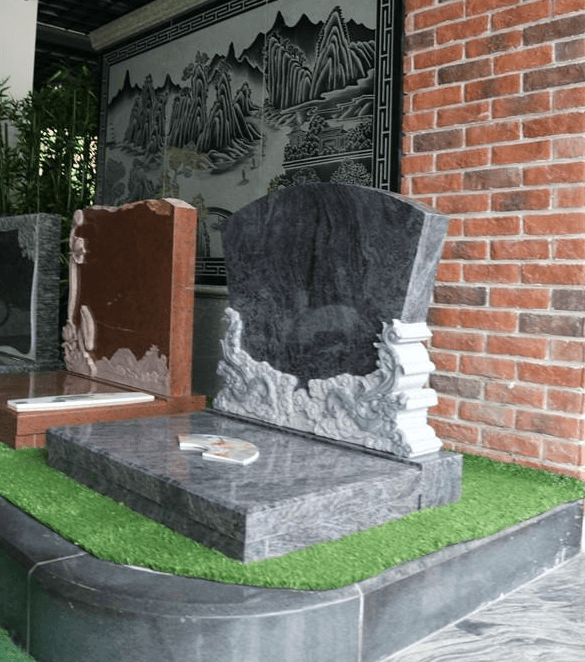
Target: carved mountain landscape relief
[[331, 60], [295, 105]]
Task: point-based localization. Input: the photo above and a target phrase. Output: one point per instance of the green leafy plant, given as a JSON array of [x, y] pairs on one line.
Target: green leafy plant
[[48, 151], [48, 146]]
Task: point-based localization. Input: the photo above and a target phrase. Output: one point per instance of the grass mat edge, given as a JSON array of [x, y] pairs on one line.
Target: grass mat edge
[[9, 651], [495, 496]]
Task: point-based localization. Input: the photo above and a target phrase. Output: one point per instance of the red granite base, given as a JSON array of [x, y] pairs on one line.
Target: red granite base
[[27, 429]]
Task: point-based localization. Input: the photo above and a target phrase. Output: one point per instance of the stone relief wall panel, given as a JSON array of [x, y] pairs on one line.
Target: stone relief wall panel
[[240, 99]]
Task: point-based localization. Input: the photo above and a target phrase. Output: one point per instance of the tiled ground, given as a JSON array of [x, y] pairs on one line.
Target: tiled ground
[[544, 621]]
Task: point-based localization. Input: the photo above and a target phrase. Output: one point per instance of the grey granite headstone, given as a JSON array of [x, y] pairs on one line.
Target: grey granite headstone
[[315, 269], [329, 287], [29, 292]]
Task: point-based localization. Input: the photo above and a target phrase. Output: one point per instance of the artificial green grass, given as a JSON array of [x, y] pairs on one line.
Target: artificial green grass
[[10, 652], [495, 496]]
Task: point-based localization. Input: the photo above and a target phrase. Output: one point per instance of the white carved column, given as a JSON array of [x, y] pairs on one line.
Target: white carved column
[[413, 368]]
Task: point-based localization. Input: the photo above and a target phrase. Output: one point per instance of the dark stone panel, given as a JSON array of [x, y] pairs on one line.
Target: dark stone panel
[[314, 270], [91, 610], [29, 243], [16, 291], [47, 301]]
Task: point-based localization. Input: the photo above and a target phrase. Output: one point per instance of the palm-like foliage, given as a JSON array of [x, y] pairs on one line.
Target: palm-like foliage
[[48, 146]]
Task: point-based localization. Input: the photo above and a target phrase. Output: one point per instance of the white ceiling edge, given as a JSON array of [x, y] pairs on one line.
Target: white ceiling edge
[[140, 20]]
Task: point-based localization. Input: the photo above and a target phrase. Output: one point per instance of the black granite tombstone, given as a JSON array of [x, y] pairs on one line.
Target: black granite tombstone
[[314, 270], [29, 292], [329, 289]]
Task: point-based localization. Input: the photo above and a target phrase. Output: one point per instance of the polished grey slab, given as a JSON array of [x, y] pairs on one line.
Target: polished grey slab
[[300, 491], [64, 605]]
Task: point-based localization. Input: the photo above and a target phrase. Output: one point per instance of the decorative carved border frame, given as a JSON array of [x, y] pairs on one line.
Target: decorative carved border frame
[[385, 410]]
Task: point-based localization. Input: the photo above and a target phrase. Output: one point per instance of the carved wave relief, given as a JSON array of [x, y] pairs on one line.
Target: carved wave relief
[[385, 410], [150, 372]]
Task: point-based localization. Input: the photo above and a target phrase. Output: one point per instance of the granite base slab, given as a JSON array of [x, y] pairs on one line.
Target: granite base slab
[[300, 490], [64, 605]]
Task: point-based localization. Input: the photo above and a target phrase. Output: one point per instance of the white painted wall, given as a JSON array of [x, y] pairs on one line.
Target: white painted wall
[[18, 29]]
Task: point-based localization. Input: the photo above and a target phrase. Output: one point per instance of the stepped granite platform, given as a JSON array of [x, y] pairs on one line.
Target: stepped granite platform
[[64, 605], [300, 490]]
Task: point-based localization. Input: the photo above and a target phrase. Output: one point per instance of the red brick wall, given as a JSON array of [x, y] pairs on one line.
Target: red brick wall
[[494, 137]]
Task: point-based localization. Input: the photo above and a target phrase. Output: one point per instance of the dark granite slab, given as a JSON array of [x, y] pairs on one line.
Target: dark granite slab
[[315, 269], [300, 491], [64, 605], [29, 292], [10, 365]]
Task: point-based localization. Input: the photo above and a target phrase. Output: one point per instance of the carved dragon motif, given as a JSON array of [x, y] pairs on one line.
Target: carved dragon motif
[[359, 409]]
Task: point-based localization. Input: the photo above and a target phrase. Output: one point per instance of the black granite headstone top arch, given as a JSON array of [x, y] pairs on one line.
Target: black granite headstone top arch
[[315, 269]]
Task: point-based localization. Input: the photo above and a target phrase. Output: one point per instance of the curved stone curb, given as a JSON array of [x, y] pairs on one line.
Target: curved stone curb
[[65, 605]]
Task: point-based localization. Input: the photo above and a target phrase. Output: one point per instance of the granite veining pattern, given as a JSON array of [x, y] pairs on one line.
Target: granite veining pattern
[[315, 269], [298, 491], [543, 621]]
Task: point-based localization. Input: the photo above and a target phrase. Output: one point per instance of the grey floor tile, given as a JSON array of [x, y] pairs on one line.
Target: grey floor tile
[[543, 621]]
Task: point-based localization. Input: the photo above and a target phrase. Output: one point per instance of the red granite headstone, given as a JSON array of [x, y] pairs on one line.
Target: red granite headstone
[[132, 274], [130, 320]]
